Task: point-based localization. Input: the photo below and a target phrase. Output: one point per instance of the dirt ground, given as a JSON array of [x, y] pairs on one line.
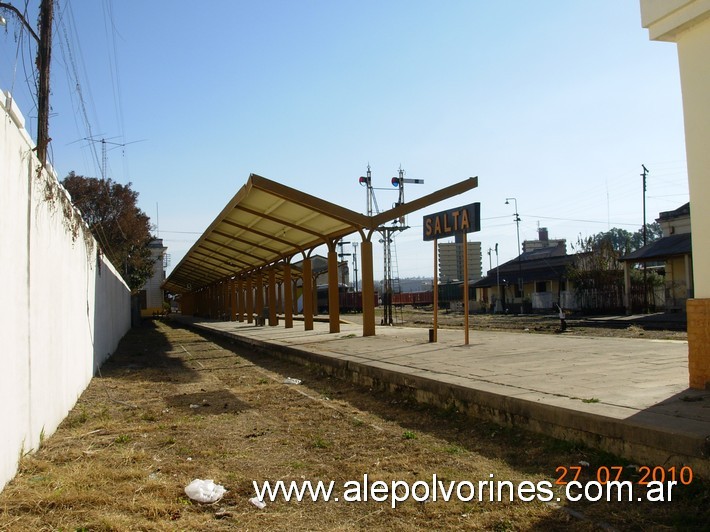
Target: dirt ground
[[173, 405]]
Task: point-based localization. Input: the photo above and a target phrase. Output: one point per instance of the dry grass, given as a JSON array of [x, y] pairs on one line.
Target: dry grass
[[122, 457]]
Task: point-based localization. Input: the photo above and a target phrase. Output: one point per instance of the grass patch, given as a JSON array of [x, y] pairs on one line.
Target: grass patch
[[320, 443], [113, 467]]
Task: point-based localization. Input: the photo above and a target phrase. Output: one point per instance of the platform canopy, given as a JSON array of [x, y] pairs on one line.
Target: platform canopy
[[266, 223]]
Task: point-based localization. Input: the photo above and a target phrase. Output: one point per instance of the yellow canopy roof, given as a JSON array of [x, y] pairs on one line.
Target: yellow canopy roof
[[267, 222]]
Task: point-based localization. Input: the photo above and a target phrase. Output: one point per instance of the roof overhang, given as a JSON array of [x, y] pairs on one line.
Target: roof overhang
[[662, 249], [266, 223]]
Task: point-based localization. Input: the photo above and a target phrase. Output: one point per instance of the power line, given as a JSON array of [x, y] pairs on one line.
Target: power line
[[72, 73], [578, 220], [111, 31]]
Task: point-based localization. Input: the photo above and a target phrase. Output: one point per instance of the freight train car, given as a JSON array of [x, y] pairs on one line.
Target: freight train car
[[448, 293], [415, 299], [349, 301]]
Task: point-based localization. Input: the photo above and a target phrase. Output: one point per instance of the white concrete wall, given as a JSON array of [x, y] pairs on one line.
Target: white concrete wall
[[63, 309], [693, 52], [667, 19], [687, 22]]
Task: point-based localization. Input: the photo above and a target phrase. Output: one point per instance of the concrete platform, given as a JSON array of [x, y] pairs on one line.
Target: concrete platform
[[625, 396]]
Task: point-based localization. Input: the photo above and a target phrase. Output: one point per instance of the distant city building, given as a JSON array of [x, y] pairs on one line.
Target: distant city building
[[152, 295], [536, 280], [543, 241], [451, 261], [676, 222], [319, 269]]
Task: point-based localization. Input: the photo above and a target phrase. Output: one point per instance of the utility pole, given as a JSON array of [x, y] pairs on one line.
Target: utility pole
[[341, 256], [643, 175], [499, 306], [44, 58], [387, 318], [354, 244], [520, 266], [387, 233], [366, 181], [645, 240]]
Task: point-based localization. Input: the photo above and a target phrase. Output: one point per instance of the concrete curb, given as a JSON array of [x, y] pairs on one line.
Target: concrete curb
[[639, 440]]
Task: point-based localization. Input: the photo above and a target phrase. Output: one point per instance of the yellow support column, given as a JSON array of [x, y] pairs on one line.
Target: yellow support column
[[333, 291], [187, 304], [368, 289], [435, 291], [225, 301], [465, 289], [272, 297], [250, 301], [279, 298], [233, 299], [240, 300], [307, 294], [259, 293], [288, 297]]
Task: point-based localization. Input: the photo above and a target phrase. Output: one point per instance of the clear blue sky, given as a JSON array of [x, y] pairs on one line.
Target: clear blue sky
[[555, 103]]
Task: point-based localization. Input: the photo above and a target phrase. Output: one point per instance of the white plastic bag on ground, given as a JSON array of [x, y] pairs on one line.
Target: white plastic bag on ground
[[258, 503], [204, 490]]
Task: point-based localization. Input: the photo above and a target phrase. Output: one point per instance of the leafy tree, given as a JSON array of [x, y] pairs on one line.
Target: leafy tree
[[621, 240], [597, 273], [653, 232], [615, 239], [120, 227]]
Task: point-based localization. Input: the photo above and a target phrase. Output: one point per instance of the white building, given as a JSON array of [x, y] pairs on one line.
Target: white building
[[151, 295], [451, 261], [543, 241], [687, 23]]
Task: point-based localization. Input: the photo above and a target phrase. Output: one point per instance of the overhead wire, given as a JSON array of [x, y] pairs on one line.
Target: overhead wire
[[66, 45], [114, 71], [33, 72], [69, 42], [32, 75]]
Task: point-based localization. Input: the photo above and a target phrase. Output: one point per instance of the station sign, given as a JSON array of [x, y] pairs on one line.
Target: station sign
[[466, 219]]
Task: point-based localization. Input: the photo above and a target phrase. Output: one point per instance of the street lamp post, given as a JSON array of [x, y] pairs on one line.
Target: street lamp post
[[520, 266]]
